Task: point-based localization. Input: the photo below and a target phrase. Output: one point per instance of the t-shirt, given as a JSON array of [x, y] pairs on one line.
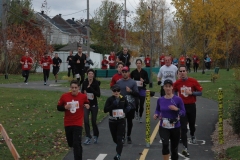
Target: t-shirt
[[181, 85], [56, 61], [167, 72], [46, 62], [182, 60], [162, 61], [163, 111], [115, 78], [70, 62], [111, 60], [81, 59], [147, 61], [195, 59], [73, 119], [104, 64], [26, 60]]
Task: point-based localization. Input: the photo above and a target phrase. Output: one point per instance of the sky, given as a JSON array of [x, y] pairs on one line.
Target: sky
[[68, 8]]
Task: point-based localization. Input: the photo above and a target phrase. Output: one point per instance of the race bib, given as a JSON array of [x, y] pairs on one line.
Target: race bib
[[139, 83], [183, 90], [90, 96], [147, 61], [74, 106], [167, 124], [44, 64], [25, 66], [117, 113], [162, 60], [69, 66]]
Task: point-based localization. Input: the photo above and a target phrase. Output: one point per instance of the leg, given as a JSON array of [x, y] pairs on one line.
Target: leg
[[94, 113], [183, 121], [69, 71], [192, 118], [130, 116], [175, 135], [77, 140], [27, 75], [120, 129], [137, 107], [86, 122], [69, 135], [82, 74], [142, 100], [45, 75], [113, 130], [165, 135]]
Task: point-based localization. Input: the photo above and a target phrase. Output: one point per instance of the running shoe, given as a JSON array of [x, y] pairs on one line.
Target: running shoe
[[55, 81], [136, 115], [45, 83], [185, 152], [140, 119], [129, 140], [87, 141], [123, 140], [95, 139], [193, 140], [117, 157]]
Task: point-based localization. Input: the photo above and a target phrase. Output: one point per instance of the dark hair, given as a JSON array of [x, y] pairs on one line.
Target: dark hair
[[120, 63], [139, 60], [182, 66], [74, 82], [90, 70]]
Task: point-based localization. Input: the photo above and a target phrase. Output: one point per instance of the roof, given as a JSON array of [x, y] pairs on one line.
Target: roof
[[73, 46], [81, 28]]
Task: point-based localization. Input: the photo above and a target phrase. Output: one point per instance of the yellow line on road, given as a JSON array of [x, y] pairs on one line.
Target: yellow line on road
[[145, 151]]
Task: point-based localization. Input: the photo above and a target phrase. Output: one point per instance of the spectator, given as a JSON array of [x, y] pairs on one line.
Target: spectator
[[125, 57], [88, 63], [104, 63], [147, 61], [112, 60]]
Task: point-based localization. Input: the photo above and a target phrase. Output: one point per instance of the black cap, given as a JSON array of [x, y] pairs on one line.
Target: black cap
[[168, 81], [115, 87]]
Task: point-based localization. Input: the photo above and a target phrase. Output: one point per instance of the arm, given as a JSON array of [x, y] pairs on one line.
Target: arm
[[134, 90], [60, 105], [181, 108], [108, 105], [95, 90], [157, 110], [146, 80]]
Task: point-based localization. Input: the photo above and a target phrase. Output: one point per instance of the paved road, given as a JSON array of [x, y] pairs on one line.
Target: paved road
[[207, 112]]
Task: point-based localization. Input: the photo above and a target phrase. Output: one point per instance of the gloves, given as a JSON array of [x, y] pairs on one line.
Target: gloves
[[159, 82]]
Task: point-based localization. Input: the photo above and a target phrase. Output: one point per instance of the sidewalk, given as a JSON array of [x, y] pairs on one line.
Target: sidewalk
[[207, 112]]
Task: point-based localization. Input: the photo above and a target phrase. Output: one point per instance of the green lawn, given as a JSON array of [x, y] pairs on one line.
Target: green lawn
[[33, 123]]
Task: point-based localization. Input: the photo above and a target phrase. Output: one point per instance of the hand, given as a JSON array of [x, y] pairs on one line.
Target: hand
[[172, 107], [68, 106], [188, 91], [142, 80], [78, 61], [86, 106], [128, 89], [155, 116], [159, 82]]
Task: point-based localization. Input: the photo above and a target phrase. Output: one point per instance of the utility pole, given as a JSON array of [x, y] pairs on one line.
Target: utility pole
[[152, 46], [4, 27], [125, 22], [88, 30]]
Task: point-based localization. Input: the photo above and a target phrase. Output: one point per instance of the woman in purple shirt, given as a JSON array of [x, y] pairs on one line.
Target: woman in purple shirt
[[169, 109]]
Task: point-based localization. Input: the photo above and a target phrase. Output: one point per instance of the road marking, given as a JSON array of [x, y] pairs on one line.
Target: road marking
[[185, 158], [154, 133], [100, 157]]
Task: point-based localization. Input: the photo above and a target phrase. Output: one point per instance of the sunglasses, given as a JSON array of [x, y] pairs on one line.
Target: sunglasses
[[116, 90], [124, 71], [182, 71]]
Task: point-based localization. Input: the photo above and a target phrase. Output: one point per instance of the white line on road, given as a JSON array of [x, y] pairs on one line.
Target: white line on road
[[185, 158], [100, 157]]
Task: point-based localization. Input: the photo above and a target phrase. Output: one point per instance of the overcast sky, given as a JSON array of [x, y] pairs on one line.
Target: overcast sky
[[67, 7]]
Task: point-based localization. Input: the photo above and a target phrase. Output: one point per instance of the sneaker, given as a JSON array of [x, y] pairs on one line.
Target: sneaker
[[140, 120], [45, 83], [129, 140], [55, 81], [123, 141], [26, 82], [95, 139], [136, 115], [193, 140], [117, 157], [185, 152], [87, 141], [180, 140]]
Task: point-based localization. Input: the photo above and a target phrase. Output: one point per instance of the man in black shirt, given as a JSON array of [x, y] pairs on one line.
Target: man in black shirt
[[70, 64], [79, 60], [125, 57], [56, 65]]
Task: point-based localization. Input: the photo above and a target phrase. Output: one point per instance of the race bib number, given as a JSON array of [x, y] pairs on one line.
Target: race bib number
[[167, 124], [147, 61], [90, 96], [74, 106], [183, 90], [44, 64], [139, 83], [25, 66], [117, 113]]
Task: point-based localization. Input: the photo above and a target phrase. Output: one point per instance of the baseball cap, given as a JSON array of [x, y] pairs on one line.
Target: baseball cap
[[168, 81], [125, 68], [115, 87]]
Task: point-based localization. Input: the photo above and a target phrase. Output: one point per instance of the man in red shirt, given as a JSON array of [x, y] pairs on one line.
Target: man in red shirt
[[147, 61], [118, 75], [26, 62], [162, 60], [72, 104], [104, 63], [182, 61], [112, 60], [45, 63], [187, 88]]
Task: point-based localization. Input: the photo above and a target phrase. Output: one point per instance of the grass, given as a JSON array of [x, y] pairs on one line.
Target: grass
[[33, 123], [233, 153]]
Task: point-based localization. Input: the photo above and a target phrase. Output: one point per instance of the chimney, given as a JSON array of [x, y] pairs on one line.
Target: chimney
[[73, 19], [42, 12], [60, 15], [81, 20]]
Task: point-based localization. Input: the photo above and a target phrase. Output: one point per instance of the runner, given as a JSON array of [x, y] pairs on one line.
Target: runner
[[73, 103], [112, 60], [70, 64], [188, 89], [117, 106], [118, 75], [169, 109], [141, 78], [45, 63], [195, 62], [91, 88], [104, 63], [56, 65], [79, 61], [129, 90], [27, 63], [147, 61], [162, 60], [188, 64], [125, 57], [182, 60], [168, 71]]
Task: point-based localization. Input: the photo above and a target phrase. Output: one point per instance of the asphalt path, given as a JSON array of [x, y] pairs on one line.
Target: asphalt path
[[207, 114]]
